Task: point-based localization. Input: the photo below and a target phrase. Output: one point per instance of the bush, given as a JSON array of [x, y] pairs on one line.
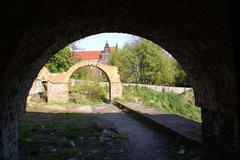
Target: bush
[[61, 61], [170, 102], [88, 93]]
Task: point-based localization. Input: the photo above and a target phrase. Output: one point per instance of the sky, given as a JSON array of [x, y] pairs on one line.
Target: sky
[[97, 42]]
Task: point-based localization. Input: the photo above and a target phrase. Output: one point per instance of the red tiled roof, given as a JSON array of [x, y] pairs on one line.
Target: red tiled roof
[[87, 55]]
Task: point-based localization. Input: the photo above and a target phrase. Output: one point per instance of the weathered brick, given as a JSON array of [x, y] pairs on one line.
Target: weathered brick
[[197, 33]]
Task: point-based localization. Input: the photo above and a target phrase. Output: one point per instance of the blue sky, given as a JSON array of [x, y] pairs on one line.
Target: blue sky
[[97, 42]]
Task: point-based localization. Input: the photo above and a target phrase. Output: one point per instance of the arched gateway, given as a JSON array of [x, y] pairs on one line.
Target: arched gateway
[[201, 35], [57, 88]]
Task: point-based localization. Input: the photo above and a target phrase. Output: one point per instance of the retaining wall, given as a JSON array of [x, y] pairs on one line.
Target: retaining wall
[[157, 88]]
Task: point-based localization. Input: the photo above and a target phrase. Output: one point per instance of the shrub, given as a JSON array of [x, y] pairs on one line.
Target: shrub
[[87, 93], [170, 102]]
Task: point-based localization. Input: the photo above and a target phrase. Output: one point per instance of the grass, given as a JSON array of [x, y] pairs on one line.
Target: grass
[[89, 93], [49, 136], [170, 102]]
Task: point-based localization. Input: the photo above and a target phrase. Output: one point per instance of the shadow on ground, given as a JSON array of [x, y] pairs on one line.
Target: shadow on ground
[[93, 136]]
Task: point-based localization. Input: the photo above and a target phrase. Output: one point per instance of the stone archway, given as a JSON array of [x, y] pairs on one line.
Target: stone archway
[[58, 82], [199, 34]]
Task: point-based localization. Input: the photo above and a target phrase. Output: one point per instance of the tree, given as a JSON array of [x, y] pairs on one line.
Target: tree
[[126, 63], [81, 73], [61, 61], [143, 62], [182, 79]]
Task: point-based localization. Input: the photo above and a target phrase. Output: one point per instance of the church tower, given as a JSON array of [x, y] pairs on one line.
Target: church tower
[[106, 48]]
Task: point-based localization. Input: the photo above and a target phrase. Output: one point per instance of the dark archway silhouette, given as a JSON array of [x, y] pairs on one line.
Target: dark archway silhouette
[[196, 33]]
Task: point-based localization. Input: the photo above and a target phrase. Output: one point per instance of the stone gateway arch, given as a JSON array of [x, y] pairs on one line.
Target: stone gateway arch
[[201, 35], [57, 83]]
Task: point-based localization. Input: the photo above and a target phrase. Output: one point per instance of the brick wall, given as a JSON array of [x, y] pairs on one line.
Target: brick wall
[[197, 33], [57, 92]]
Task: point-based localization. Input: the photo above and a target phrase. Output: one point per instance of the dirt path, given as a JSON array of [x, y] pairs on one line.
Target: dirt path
[[146, 144]]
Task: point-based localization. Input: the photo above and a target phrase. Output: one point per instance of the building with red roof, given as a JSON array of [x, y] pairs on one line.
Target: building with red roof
[[98, 56], [87, 55]]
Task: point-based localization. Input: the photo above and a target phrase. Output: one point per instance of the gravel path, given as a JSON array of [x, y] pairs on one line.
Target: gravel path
[[146, 144]]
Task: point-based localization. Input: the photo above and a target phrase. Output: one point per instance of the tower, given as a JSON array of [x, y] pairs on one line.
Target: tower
[[106, 48]]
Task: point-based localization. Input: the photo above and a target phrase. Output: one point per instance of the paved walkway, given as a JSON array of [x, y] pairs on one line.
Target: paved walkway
[[185, 127]]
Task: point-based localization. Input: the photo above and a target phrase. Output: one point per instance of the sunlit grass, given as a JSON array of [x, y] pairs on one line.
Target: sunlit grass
[[170, 102], [88, 93]]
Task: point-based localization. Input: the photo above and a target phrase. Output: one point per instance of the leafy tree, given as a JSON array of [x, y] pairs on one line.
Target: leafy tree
[[81, 73], [127, 65], [143, 62], [61, 61], [182, 78]]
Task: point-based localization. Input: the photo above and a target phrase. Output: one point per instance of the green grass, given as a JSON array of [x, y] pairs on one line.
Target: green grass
[[170, 102], [89, 93], [42, 133], [47, 136]]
